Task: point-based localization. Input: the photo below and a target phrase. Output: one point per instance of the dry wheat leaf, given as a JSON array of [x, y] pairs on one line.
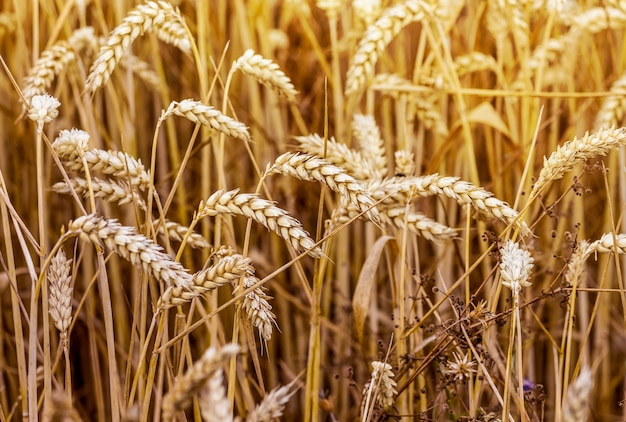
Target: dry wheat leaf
[[365, 284], [485, 113]]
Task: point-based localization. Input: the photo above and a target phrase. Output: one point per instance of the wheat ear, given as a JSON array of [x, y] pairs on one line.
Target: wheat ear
[[418, 223], [138, 249], [208, 116], [60, 301], [157, 16], [378, 36], [401, 190], [338, 154], [195, 378], [613, 107], [262, 211], [116, 191], [267, 73], [176, 231], [272, 406], [608, 244], [71, 147], [312, 168], [214, 405], [54, 60], [257, 307], [381, 388], [366, 132], [224, 271], [576, 404], [576, 152]]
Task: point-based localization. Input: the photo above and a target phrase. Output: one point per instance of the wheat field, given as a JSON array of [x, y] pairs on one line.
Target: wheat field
[[332, 210]]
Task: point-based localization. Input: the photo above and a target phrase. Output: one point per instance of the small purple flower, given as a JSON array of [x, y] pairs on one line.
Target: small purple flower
[[528, 385]]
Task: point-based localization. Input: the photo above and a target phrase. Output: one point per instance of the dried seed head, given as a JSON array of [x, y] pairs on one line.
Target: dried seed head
[[267, 73], [515, 267], [382, 385], [43, 109], [184, 388], [60, 300], [138, 249]]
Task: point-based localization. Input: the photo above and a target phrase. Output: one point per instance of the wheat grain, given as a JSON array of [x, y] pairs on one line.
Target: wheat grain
[[257, 307], [378, 36], [267, 73], [214, 405], [262, 211], [195, 378], [109, 190], [366, 132], [208, 116], [474, 62], [224, 271], [138, 249], [575, 152], [60, 300], [272, 406], [612, 111], [157, 16], [338, 154], [312, 168], [576, 404]]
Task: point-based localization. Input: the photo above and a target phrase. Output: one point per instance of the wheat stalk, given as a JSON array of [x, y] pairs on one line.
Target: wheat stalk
[[575, 152], [378, 36], [338, 154], [208, 116], [312, 168], [195, 378], [224, 271], [138, 249], [262, 211], [157, 16], [267, 73]]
